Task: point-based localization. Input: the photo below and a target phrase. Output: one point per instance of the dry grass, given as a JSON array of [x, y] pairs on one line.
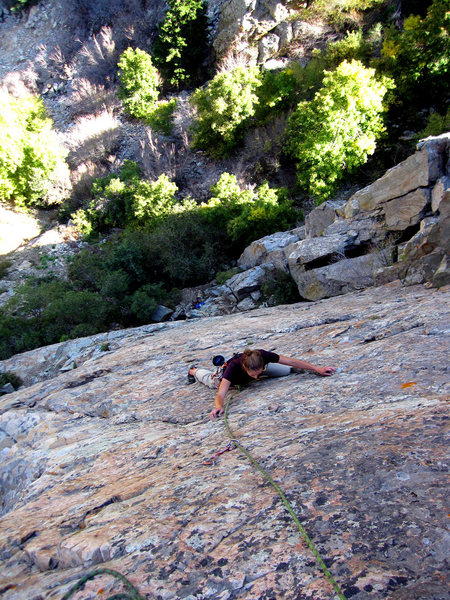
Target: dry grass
[[93, 138]]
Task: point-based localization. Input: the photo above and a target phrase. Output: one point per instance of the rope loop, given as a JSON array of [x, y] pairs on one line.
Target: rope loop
[[131, 594]]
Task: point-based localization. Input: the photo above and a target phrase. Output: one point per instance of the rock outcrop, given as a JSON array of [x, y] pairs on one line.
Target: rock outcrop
[[102, 464]]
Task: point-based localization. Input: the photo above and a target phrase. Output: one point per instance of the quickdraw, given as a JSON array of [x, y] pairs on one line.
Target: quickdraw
[[212, 460]]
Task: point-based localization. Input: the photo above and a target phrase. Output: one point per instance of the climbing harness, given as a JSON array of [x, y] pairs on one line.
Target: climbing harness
[[301, 529], [131, 594], [212, 460]]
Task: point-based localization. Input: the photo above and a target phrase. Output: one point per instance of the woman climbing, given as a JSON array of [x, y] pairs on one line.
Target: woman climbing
[[242, 368]]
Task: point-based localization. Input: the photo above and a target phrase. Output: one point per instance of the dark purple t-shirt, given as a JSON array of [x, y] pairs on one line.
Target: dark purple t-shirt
[[235, 372]]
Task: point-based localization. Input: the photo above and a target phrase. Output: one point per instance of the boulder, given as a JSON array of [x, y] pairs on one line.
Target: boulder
[[161, 313], [272, 248], [319, 219], [267, 47], [243, 284], [340, 277], [441, 276], [6, 389], [440, 192], [421, 169], [408, 210], [326, 248]]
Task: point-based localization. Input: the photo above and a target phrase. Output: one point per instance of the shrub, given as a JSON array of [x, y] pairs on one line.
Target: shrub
[[224, 108], [247, 215], [436, 125], [277, 93], [139, 82], [161, 118], [187, 249], [125, 200], [12, 378], [31, 159], [336, 131], [181, 46], [279, 288], [419, 56]]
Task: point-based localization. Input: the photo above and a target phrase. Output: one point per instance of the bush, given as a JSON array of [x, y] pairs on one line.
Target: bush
[[12, 378], [31, 160], [436, 125], [139, 82], [418, 57], [224, 108], [247, 215], [181, 46], [277, 93], [335, 132], [279, 288], [125, 200]]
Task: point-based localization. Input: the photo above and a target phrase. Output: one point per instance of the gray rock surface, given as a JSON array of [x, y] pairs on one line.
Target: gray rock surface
[[103, 466]]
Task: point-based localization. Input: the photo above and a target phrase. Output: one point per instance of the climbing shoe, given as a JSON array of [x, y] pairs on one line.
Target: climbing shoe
[[191, 378]]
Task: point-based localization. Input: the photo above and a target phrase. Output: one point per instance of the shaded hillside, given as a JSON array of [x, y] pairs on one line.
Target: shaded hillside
[[102, 465]]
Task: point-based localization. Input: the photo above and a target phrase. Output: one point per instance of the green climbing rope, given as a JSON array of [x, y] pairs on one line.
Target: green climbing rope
[[131, 594], [305, 536]]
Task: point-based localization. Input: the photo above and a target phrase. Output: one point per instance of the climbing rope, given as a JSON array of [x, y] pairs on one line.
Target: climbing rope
[[131, 594], [305, 536]]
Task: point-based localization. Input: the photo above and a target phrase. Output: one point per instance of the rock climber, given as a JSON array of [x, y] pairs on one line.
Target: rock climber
[[245, 367]]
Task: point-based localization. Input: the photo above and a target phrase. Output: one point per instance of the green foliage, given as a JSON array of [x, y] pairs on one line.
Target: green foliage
[[181, 46], [353, 46], [224, 108], [336, 131], [436, 125], [339, 13], [161, 118], [279, 288], [222, 276], [418, 57], [126, 200], [247, 215], [10, 377], [5, 263], [31, 159], [139, 82], [146, 299], [277, 93], [18, 5]]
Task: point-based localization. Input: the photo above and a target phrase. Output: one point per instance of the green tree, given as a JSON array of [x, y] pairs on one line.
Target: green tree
[[139, 82], [224, 108], [418, 57], [335, 132], [32, 162], [181, 46]]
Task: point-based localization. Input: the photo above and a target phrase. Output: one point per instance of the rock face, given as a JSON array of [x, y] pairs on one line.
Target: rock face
[[102, 465], [396, 228], [259, 30]]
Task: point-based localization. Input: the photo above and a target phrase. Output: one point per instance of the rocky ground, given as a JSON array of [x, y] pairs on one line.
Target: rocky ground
[[102, 464]]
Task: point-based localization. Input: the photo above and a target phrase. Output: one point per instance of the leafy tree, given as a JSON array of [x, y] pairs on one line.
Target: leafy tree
[[31, 159], [224, 108], [181, 46], [139, 82], [418, 57], [278, 92], [336, 131]]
